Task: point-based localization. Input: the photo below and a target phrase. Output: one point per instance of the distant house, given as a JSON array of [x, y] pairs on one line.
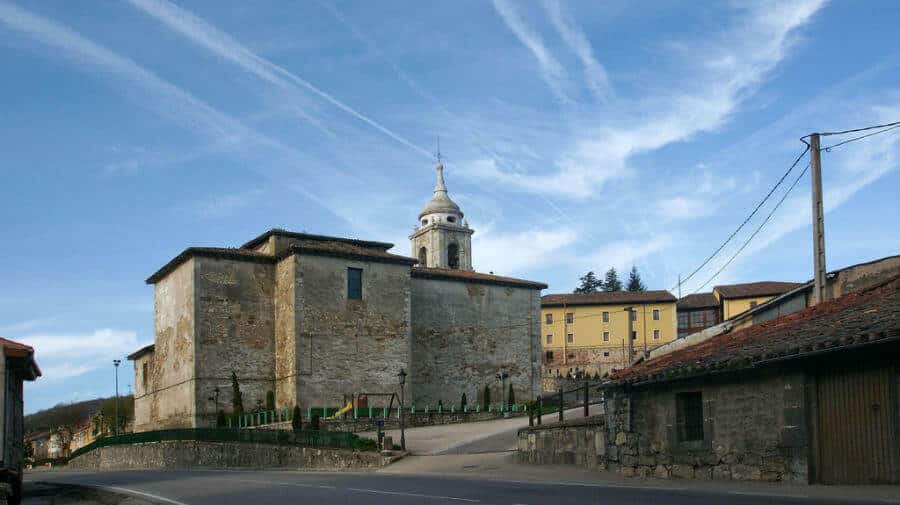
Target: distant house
[[697, 312], [17, 365], [810, 396], [735, 299]]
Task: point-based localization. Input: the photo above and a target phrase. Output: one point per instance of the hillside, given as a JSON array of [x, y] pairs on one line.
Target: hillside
[[72, 414]]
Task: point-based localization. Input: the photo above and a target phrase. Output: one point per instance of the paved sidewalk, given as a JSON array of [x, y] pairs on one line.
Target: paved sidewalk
[[502, 467]]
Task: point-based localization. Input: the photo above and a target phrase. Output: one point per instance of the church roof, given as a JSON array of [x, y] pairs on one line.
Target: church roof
[[345, 250], [474, 277], [321, 238], [440, 202], [208, 252]]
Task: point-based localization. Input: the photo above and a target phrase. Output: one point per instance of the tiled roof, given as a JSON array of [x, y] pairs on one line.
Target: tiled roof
[[853, 320], [347, 250], [475, 277], [764, 288], [384, 246], [607, 298], [208, 252], [140, 352], [697, 301], [21, 351]]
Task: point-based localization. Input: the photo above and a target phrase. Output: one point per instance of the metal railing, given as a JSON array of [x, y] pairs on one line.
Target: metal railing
[[559, 401], [302, 438]]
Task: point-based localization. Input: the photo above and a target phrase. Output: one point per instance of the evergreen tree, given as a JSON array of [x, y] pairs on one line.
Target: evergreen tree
[[463, 402], [237, 402], [510, 396], [612, 282], [296, 418], [270, 400], [589, 283], [634, 281], [486, 401], [220, 419]]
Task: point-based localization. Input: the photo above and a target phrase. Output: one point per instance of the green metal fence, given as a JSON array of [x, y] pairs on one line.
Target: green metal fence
[[302, 438]]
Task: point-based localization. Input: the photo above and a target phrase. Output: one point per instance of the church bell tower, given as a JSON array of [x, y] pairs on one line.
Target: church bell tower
[[442, 239]]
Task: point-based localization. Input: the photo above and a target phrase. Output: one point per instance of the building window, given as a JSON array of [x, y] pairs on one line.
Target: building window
[[606, 354], [423, 257], [605, 317], [656, 314], [684, 320], [753, 304], [570, 317], [634, 315], [548, 318], [451, 219], [144, 378], [689, 416], [655, 334], [606, 336], [453, 256], [549, 339], [697, 318], [549, 355], [354, 284], [424, 222], [570, 338], [633, 335]]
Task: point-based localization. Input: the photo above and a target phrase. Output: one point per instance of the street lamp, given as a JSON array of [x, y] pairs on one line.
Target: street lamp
[[116, 363], [501, 377], [216, 400], [402, 378]]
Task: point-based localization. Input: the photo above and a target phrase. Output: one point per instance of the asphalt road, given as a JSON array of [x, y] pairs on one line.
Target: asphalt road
[[285, 487]]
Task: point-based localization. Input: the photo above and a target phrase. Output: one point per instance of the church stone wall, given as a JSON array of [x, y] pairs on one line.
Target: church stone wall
[[346, 346], [235, 317], [464, 333], [286, 324], [168, 401]]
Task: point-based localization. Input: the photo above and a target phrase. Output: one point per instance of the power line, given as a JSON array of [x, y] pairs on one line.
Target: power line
[[854, 139], [749, 217], [875, 127], [755, 232]]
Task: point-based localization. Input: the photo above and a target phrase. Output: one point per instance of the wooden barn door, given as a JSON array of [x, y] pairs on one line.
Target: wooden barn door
[[857, 424]]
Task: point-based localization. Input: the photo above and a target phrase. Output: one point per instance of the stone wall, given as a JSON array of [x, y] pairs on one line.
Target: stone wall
[[346, 347], [235, 324], [168, 399], [411, 421], [286, 324], [177, 455], [754, 429], [464, 333]]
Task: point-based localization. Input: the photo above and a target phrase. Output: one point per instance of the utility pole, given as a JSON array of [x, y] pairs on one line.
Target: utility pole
[[630, 312], [116, 363], [818, 217], [679, 286]]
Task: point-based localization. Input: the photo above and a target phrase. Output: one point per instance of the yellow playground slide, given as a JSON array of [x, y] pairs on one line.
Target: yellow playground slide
[[344, 410]]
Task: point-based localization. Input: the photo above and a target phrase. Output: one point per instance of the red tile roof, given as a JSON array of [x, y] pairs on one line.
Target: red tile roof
[[347, 250], [208, 252], [751, 289], [384, 246], [18, 350], [864, 318], [607, 297], [697, 301], [474, 277]]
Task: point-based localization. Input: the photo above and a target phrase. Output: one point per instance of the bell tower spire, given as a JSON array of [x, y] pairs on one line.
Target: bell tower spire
[[442, 239]]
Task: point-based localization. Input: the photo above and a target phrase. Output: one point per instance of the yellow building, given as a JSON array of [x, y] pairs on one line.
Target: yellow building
[[735, 299], [589, 332]]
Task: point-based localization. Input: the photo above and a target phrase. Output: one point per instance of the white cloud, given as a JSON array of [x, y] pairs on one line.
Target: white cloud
[[622, 254], [516, 253], [552, 70], [63, 356], [682, 207], [595, 75], [224, 205]]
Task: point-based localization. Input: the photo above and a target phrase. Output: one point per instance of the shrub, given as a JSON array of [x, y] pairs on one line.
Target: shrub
[[270, 400], [237, 402], [220, 419], [313, 423], [486, 402], [296, 418], [511, 397], [462, 402]]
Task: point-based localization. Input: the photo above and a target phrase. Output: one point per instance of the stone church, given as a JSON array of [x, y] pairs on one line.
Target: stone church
[[316, 319]]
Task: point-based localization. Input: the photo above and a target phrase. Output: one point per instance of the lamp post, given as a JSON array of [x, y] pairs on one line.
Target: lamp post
[[501, 377], [215, 399], [402, 378], [116, 363]]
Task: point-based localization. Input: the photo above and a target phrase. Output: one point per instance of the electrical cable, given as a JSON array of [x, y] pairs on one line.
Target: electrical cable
[[755, 232], [854, 139], [749, 217], [875, 127]]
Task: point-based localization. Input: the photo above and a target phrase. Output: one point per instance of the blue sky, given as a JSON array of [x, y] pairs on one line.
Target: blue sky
[[576, 136]]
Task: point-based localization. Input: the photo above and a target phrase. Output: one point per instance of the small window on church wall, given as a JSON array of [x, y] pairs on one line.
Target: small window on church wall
[[423, 256], [451, 219], [354, 284], [424, 222], [453, 256]]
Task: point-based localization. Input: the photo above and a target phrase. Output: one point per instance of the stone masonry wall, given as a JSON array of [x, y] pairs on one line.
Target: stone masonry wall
[[235, 333], [286, 341], [168, 401], [188, 454], [347, 346], [754, 429], [464, 333]]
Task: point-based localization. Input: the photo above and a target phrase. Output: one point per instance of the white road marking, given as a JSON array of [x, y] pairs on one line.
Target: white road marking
[[142, 493], [417, 495]]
